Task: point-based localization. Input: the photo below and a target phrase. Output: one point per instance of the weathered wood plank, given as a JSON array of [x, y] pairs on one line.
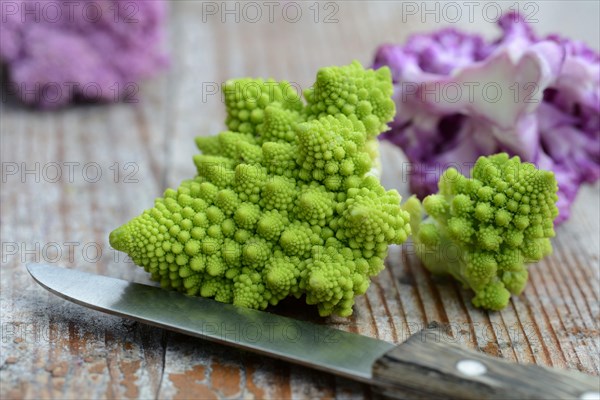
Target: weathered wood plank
[[59, 349]]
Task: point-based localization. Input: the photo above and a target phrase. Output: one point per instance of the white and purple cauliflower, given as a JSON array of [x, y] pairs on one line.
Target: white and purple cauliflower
[[460, 97], [90, 50]]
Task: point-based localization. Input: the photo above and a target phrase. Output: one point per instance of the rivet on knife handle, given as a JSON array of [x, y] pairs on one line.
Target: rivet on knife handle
[[426, 368]]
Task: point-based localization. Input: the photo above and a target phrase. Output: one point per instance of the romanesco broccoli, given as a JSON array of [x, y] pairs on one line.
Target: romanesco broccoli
[[283, 203], [484, 230]]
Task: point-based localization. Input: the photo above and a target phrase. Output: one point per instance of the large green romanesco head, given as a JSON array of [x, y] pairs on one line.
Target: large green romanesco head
[[483, 231], [283, 203]]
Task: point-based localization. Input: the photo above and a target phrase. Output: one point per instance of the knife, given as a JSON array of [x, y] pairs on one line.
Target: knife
[[422, 367]]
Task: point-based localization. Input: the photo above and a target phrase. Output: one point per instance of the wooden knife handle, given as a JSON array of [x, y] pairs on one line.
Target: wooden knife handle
[[425, 367]]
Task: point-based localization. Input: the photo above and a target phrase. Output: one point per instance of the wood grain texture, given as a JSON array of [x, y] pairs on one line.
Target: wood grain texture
[[429, 366], [50, 348]]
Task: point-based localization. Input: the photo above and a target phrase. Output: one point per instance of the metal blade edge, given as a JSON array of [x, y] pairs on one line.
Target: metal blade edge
[[316, 346]]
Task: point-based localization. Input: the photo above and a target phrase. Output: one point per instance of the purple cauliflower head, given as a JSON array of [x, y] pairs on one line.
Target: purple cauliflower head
[[92, 50], [460, 97]]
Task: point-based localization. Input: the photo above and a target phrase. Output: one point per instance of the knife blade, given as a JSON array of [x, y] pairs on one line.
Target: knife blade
[[422, 367]]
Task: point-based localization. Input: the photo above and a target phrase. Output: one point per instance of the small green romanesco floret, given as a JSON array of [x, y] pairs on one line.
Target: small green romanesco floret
[[483, 231], [283, 204]]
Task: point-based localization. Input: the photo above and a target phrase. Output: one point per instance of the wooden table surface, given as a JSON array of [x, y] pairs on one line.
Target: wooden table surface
[[116, 159]]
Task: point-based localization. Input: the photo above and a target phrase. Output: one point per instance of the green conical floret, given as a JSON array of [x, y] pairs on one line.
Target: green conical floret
[[246, 100], [278, 124], [352, 91], [483, 231], [282, 204]]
